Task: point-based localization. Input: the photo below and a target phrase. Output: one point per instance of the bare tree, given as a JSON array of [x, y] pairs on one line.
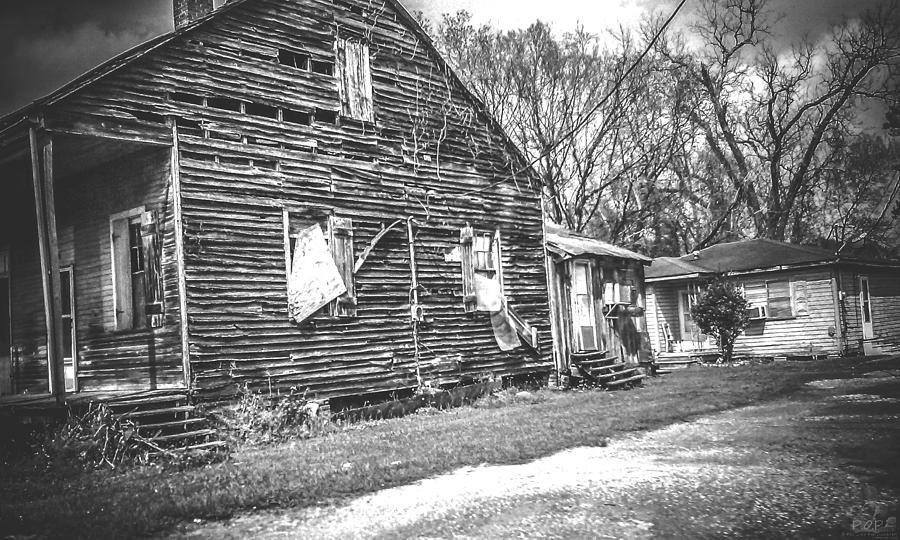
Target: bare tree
[[767, 114], [607, 177]]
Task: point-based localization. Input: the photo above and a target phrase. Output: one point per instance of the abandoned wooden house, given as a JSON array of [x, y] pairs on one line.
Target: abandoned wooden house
[[804, 302], [597, 308], [281, 194]]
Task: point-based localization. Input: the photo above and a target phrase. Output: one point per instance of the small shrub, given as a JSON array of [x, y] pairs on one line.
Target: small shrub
[[266, 419], [721, 311]]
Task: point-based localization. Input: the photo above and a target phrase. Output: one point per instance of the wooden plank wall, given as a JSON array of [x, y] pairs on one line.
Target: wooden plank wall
[[108, 359], [627, 332], [430, 155]]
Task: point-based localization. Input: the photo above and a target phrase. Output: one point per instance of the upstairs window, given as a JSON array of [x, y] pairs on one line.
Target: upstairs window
[[319, 258], [355, 80]]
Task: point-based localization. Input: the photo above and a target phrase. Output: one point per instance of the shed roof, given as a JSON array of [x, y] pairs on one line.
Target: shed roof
[[747, 256], [570, 244]]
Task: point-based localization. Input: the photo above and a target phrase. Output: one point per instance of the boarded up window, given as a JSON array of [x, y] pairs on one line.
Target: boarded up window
[[320, 266], [801, 301], [342, 252], [355, 80], [467, 260], [778, 298]]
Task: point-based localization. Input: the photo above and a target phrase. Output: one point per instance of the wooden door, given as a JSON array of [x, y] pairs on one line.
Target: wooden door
[[70, 349], [691, 337], [584, 314], [865, 307]]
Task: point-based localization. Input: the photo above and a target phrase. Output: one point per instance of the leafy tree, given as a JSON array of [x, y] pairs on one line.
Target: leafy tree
[[721, 312]]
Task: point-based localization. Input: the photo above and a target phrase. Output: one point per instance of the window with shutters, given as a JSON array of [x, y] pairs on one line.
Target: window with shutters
[[136, 270], [338, 234], [778, 300], [355, 80], [481, 255]]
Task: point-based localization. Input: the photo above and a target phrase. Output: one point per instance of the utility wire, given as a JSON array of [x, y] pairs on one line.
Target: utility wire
[[587, 118]]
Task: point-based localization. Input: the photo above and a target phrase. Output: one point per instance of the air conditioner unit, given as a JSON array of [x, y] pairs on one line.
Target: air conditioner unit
[[756, 312]]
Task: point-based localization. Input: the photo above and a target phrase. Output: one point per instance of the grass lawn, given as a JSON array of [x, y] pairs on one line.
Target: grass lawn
[[367, 457]]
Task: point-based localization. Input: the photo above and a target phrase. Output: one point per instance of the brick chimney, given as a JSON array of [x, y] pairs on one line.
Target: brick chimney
[[186, 11]]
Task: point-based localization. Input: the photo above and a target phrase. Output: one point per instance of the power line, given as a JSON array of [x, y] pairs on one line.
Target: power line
[[587, 118]]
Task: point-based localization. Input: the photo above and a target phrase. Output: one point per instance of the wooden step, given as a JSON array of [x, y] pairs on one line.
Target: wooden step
[[158, 412], [145, 402], [587, 356], [598, 362], [626, 372], [609, 367], [623, 382]]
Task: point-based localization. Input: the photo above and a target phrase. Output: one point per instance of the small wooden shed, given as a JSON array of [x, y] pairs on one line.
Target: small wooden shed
[[597, 300]]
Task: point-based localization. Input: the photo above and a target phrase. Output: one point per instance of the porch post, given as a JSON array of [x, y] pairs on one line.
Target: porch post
[[45, 211], [175, 166]]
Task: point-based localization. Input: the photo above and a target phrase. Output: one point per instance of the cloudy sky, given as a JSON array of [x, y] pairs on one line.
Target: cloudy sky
[[49, 42]]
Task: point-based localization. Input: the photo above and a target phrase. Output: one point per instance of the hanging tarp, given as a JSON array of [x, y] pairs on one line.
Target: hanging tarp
[[490, 298], [314, 279]]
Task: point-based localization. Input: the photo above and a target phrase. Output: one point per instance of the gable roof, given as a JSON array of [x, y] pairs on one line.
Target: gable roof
[[746, 256], [570, 244], [128, 57]]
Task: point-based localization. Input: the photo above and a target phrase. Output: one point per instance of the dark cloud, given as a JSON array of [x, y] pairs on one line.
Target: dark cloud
[[46, 43]]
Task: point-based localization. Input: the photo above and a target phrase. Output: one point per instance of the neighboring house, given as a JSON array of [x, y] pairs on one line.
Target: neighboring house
[[804, 301], [281, 194], [597, 309]]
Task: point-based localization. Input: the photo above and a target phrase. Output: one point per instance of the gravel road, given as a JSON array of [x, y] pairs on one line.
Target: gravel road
[[818, 465]]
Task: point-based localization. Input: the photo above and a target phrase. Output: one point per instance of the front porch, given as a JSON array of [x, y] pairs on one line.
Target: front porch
[[88, 301]]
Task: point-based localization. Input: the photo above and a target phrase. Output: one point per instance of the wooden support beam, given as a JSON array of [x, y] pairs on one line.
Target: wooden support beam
[[45, 211], [179, 257]]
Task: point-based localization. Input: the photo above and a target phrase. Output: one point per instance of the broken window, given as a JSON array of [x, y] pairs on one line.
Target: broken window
[[293, 59], [137, 270], [778, 299], [480, 255], [320, 265], [355, 80]]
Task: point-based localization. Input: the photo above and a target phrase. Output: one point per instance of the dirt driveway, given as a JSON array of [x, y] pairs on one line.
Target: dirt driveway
[[821, 464]]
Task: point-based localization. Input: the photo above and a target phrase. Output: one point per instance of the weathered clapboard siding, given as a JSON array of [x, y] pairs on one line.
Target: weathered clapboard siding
[[111, 359], [430, 155], [798, 335]]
